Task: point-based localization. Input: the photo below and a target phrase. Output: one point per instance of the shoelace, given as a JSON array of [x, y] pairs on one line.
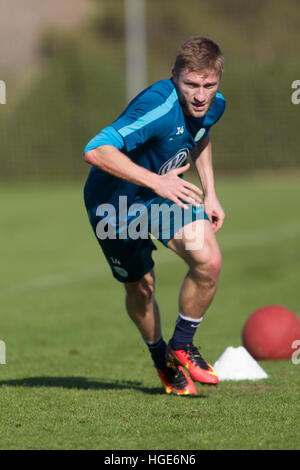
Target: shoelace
[[175, 377], [196, 357]]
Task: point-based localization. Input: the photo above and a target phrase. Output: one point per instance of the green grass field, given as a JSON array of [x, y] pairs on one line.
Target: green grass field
[[77, 373]]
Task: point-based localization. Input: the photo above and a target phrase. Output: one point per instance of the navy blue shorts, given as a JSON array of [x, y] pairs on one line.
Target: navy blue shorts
[[124, 233]]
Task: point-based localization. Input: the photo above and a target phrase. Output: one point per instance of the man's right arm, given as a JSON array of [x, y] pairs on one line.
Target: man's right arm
[[111, 160]]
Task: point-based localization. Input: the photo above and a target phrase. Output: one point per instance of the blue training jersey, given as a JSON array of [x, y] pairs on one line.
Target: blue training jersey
[[153, 132]]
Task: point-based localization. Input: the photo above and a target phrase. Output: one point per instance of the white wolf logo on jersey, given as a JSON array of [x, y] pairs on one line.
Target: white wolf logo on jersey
[[174, 162]]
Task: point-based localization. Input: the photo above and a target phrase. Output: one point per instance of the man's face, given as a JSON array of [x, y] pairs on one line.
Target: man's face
[[196, 90]]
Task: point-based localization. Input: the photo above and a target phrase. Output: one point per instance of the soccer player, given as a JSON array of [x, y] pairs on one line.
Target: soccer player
[[140, 159]]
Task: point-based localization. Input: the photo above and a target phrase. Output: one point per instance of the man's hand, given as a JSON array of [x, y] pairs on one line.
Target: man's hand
[[214, 211], [171, 186]]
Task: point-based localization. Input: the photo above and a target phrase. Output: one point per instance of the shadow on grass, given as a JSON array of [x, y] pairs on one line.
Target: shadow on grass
[[82, 383]]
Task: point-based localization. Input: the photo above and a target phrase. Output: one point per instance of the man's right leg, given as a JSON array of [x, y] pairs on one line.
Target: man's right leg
[[142, 306], [144, 312]]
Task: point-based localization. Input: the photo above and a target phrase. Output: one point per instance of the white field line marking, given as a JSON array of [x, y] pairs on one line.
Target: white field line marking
[[227, 242]]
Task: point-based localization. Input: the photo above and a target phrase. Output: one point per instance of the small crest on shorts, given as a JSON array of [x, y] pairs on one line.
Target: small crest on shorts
[[121, 271]]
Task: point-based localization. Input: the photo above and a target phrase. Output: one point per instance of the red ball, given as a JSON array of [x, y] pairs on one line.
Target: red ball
[[269, 332]]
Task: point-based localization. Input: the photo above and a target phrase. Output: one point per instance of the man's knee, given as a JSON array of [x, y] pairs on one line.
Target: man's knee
[[143, 288], [208, 267], [215, 262]]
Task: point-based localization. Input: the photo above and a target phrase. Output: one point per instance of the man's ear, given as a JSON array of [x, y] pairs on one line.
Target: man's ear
[[174, 75]]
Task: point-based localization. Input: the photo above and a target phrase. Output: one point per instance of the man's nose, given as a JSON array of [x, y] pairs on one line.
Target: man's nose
[[200, 95]]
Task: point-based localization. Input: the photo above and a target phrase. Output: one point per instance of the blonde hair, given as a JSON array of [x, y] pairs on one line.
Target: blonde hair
[[199, 54]]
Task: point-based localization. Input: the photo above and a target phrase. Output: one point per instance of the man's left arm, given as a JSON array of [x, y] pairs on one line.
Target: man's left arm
[[202, 159]]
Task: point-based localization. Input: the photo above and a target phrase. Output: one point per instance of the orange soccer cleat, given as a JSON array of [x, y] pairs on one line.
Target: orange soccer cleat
[[176, 381], [193, 362]]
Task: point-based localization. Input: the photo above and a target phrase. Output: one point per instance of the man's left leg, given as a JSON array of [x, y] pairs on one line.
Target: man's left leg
[[196, 294]]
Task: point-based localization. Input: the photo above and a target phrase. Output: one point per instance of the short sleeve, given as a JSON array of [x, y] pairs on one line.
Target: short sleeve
[[108, 136], [148, 116]]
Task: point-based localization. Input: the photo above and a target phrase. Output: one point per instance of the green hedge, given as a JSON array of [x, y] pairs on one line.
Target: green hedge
[[80, 85]]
